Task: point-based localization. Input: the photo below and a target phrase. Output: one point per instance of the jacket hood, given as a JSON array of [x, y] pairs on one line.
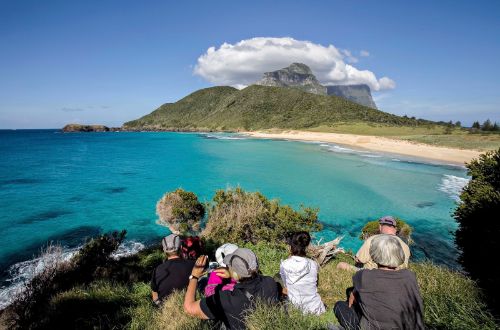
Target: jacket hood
[[296, 268]]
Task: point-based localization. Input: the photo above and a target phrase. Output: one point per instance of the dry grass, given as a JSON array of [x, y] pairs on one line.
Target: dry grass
[[235, 216]]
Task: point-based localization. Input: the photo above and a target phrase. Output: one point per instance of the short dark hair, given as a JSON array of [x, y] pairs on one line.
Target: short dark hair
[[299, 242]]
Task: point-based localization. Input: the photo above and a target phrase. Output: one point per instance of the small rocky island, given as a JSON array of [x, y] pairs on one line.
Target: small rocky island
[[71, 128]]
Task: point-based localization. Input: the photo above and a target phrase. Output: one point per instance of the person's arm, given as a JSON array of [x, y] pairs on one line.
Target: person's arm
[[363, 255], [154, 289], [352, 299], [191, 305]]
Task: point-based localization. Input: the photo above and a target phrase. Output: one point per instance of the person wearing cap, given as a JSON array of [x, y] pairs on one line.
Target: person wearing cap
[[230, 307], [173, 273], [384, 297], [214, 281], [387, 226]]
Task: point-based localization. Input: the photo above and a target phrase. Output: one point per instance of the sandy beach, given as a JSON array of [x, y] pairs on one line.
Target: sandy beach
[[380, 144]]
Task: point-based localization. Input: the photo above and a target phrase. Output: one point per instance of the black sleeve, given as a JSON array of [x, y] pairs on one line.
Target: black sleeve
[[154, 287], [208, 305]]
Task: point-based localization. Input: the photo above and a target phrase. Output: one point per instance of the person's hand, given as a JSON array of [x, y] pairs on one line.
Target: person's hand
[[352, 299], [199, 266], [222, 272]]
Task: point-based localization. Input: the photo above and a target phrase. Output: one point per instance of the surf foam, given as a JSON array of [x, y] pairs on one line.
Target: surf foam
[[453, 185]]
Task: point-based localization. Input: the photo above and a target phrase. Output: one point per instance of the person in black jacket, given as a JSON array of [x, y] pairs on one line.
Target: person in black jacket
[[230, 307], [173, 274]]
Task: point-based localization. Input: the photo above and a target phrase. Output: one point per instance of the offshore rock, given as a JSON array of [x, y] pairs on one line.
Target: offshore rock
[[86, 128]]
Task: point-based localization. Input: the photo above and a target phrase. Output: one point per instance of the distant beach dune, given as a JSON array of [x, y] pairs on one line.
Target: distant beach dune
[[377, 143]]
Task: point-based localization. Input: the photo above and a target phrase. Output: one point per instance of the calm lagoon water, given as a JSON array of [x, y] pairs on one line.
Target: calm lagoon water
[[64, 187]]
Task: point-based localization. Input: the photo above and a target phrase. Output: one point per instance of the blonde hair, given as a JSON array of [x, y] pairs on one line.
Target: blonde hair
[[385, 250]]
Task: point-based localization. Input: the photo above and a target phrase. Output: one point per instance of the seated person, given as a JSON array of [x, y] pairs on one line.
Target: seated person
[[230, 307], [173, 273], [383, 298], [214, 281], [191, 248], [300, 276], [387, 226]]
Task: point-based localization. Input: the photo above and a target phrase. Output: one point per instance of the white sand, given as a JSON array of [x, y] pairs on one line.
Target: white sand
[[377, 143]]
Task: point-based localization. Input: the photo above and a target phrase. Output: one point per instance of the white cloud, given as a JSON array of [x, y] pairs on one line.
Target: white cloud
[[364, 53], [244, 63], [348, 56]]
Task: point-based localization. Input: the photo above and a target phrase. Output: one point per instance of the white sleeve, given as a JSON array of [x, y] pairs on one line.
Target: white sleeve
[[282, 274]]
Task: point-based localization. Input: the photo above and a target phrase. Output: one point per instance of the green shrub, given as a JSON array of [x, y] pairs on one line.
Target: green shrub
[[479, 228], [239, 216], [180, 211], [29, 309], [371, 228]]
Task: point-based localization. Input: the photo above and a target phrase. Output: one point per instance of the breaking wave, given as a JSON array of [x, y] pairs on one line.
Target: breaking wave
[[453, 185], [223, 137]]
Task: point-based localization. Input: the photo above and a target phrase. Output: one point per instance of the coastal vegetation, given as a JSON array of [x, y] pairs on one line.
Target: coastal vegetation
[[262, 107], [479, 228], [239, 216], [180, 211], [95, 290]]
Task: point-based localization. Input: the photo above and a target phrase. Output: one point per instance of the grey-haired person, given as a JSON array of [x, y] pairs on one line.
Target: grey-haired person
[[385, 297], [173, 273], [387, 226], [229, 307]]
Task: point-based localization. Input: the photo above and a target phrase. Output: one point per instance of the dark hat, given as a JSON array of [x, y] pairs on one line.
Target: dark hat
[[243, 261], [387, 220], [171, 243]]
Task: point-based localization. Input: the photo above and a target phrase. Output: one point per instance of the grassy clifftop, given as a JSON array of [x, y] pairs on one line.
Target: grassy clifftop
[[262, 107]]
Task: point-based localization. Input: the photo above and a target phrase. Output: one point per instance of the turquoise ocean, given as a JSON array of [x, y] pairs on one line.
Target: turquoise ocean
[[57, 187]]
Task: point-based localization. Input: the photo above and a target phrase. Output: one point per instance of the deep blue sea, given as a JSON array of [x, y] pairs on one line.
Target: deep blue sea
[[65, 187]]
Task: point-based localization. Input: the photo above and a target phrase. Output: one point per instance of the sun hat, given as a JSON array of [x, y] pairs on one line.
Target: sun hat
[[171, 243], [387, 220], [223, 251], [243, 261]]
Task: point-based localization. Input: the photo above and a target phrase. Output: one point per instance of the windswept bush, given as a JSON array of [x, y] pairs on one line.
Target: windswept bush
[[479, 228], [240, 216], [180, 211], [371, 228], [30, 308]]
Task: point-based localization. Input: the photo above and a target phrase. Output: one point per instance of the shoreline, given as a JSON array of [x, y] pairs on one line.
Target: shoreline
[[377, 143]]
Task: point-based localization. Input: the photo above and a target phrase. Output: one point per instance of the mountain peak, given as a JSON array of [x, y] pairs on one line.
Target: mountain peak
[[299, 68], [297, 75]]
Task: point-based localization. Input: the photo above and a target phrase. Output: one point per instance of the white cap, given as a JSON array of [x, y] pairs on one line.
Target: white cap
[[223, 251]]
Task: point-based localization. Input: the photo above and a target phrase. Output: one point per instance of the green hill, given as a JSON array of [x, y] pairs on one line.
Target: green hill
[[262, 107]]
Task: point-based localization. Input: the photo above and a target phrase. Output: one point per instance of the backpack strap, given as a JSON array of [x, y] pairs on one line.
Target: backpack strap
[[249, 296]]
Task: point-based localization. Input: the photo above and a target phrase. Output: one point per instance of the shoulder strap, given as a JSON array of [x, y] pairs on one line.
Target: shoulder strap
[[249, 295]]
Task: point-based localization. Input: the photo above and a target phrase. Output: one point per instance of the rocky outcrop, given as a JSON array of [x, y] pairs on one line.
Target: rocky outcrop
[[86, 128], [300, 76], [360, 94], [297, 75]]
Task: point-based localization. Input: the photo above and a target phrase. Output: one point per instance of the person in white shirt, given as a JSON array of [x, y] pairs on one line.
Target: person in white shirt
[[300, 276]]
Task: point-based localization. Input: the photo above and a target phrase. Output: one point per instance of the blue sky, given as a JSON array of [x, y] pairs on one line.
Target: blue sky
[[108, 62]]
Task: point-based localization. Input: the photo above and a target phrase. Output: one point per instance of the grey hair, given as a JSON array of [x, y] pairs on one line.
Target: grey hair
[[385, 250]]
